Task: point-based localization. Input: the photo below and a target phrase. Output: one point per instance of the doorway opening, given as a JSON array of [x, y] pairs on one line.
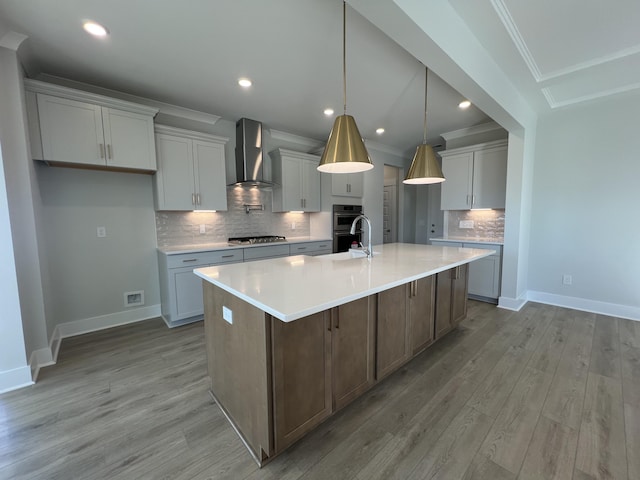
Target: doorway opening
[[390, 204]]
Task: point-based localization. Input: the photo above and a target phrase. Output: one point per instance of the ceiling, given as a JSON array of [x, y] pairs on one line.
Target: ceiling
[[192, 53], [560, 53]]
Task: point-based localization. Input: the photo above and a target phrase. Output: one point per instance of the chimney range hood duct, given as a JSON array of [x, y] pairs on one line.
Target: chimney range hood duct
[[249, 154]]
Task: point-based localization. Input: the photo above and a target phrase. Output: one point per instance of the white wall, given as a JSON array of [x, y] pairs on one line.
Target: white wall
[[373, 199], [585, 207], [89, 275]]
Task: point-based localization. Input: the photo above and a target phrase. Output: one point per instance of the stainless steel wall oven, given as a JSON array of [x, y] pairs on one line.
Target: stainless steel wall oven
[[343, 217]]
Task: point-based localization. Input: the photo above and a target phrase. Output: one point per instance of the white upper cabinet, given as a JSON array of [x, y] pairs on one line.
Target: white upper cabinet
[[191, 170], [347, 184], [476, 176], [78, 128], [297, 181]]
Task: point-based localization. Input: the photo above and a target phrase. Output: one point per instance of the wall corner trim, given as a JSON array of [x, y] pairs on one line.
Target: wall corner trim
[[514, 304], [586, 305]]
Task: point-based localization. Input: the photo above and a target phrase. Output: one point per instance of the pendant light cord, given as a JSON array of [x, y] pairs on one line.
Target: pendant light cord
[[426, 77], [344, 55]]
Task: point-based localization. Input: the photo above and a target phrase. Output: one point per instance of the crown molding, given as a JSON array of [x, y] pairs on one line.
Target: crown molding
[[309, 144], [180, 132], [474, 130], [161, 107]]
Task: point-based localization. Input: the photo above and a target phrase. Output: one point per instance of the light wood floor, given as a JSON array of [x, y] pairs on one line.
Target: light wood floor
[[543, 393]]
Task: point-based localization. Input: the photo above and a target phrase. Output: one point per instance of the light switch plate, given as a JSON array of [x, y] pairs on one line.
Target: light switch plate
[[101, 232], [466, 224], [227, 314]]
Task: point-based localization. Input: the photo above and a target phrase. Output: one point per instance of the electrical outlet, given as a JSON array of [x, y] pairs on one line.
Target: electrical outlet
[[466, 224], [567, 279], [293, 225], [203, 229], [101, 232], [227, 314]]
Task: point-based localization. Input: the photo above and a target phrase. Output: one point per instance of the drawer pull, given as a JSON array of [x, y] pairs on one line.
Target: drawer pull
[[228, 256], [190, 260], [302, 248]]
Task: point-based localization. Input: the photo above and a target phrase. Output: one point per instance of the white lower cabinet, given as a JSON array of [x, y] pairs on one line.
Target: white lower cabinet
[[484, 274], [181, 289]]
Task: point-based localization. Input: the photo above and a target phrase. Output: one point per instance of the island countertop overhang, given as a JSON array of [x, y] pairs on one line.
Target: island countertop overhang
[[290, 288]]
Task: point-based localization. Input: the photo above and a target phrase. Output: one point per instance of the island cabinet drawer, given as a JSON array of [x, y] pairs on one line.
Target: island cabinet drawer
[[205, 258], [269, 251], [311, 248]]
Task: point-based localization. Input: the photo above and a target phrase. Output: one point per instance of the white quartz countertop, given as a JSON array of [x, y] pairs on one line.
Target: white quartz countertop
[[210, 247], [293, 287], [492, 241]]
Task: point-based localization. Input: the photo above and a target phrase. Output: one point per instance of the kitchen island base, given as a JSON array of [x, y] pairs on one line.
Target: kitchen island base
[[275, 381]]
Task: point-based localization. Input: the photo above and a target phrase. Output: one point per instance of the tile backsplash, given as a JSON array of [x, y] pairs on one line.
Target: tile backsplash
[[183, 228], [486, 223]]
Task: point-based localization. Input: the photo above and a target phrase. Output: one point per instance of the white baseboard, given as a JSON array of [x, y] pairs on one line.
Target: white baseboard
[[586, 305], [40, 358], [49, 356], [15, 379], [514, 304], [93, 324]]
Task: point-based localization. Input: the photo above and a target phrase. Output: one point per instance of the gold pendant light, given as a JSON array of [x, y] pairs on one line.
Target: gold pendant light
[[424, 168], [345, 151]]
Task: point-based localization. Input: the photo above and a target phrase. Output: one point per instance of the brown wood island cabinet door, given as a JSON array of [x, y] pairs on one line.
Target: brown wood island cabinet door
[[353, 349], [459, 294], [393, 330], [443, 302], [301, 376], [421, 313]]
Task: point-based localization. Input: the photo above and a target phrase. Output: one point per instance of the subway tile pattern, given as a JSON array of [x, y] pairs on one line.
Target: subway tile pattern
[[487, 224], [183, 228]]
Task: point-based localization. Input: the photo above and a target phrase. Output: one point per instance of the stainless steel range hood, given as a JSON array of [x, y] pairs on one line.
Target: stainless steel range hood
[[249, 154]]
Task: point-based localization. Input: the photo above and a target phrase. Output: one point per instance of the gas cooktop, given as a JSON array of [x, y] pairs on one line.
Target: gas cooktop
[[257, 239]]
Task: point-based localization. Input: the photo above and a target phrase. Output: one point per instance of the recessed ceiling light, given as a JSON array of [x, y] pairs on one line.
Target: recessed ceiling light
[[244, 82], [95, 29], [328, 112], [380, 131], [464, 104]]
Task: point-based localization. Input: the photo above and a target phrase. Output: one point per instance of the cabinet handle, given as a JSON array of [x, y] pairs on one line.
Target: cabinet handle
[[348, 188], [301, 203], [304, 202], [456, 273], [193, 199], [473, 199], [101, 150], [322, 246], [190, 260], [337, 318], [228, 256], [467, 201], [109, 154], [198, 202]]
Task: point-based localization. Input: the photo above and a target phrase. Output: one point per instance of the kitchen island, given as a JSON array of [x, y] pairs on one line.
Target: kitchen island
[[290, 341]]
